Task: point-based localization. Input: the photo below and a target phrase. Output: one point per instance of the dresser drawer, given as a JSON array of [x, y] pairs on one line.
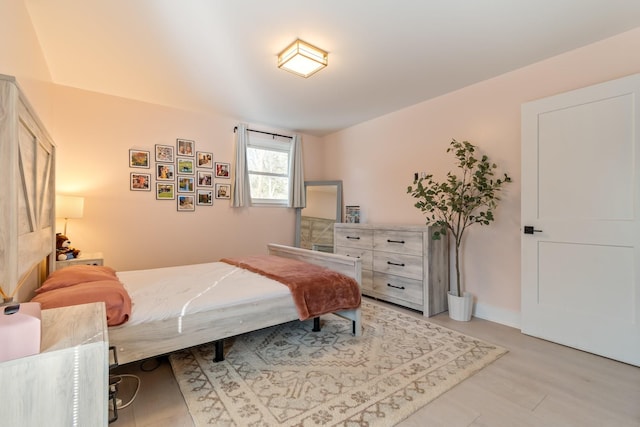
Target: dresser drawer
[[404, 242], [366, 255], [354, 238], [367, 281], [398, 264], [409, 290]]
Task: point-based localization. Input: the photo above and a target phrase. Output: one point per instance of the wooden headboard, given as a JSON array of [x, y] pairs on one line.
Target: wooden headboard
[[27, 206]]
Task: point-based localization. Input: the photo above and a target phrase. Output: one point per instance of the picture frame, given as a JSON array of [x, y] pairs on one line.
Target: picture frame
[[185, 147], [223, 170], [165, 171], [204, 197], [204, 159], [164, 153], [223, 191], [186, 184], [205, 179], [165, 191], [139, 159], [140, 181], [185, 166], [352, 214], [186, 202]]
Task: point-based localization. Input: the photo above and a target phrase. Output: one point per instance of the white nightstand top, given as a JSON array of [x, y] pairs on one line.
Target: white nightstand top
[[90, 255], [84, 258]]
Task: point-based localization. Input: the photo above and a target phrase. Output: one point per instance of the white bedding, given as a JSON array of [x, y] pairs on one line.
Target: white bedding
[[172, 292]]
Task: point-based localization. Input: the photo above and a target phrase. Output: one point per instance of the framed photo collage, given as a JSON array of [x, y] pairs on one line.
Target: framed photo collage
[[182, 174]]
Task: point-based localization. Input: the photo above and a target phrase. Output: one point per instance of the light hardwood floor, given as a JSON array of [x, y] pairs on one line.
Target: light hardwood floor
[[537, 383]]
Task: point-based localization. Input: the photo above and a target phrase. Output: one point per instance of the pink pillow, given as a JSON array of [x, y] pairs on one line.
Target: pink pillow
[[111, 292], [75, 274]]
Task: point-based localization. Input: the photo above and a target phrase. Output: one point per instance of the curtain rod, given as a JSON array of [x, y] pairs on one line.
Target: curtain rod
[[266, 133]]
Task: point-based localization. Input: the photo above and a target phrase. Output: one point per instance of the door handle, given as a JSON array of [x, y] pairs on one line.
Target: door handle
[[528, 229]]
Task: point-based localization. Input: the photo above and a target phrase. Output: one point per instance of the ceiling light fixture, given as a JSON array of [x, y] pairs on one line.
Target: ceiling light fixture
[[302, 59]]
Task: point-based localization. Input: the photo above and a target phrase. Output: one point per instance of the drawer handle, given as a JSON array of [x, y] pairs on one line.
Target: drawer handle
[[353, 237], [394, 286], [357, 256], [395, 241], [399, 264]]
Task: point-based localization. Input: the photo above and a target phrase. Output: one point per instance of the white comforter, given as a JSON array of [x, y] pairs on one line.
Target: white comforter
[[171, 292]]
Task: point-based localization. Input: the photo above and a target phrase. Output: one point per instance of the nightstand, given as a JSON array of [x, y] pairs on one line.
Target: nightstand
[[67, 382], [85, 258]]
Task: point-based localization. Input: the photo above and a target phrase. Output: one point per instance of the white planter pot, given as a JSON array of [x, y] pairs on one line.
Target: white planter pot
[[460, 308]]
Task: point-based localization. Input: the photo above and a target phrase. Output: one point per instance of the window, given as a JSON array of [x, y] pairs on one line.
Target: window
[[268, 165]]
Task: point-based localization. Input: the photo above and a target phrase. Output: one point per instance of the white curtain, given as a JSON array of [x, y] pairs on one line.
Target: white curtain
[[297, 196], [241, 193]]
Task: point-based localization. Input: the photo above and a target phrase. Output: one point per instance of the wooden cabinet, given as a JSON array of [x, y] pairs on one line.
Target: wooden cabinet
[[66, 384], [357, 242], [400, 263], [91, 258], [316, 233]]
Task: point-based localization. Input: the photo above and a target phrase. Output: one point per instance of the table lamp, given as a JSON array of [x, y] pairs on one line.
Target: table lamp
[[69, 207]]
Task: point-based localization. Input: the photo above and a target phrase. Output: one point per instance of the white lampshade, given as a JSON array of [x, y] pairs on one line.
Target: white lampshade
[[69, 207], [302, 59]]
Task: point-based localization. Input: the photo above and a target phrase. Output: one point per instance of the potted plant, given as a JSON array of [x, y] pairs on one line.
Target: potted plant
[[453, 205]]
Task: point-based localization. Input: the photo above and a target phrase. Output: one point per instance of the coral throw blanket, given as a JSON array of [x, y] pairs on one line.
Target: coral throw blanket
[[316, 290]]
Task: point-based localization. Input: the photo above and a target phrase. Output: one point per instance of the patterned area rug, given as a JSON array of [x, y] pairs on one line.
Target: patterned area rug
[[287, 375]]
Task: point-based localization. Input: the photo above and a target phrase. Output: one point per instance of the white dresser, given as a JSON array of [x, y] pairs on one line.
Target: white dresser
[[67, 383], [400, 263]]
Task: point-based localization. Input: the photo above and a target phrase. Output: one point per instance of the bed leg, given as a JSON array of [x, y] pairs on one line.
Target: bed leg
[[316, 324], [219, 347]]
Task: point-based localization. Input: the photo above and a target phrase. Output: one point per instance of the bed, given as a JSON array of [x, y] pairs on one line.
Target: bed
[[178, 307], [27, 249]]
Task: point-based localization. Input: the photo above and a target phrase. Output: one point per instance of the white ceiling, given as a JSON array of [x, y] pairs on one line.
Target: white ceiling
[[220, 55]]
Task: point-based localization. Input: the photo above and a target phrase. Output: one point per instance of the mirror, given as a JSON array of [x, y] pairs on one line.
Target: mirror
[[314, 223]]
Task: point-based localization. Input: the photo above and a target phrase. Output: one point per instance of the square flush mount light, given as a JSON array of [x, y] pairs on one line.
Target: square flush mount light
[[302, 59]]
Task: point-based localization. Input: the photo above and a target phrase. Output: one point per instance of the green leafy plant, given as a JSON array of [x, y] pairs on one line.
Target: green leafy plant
[[462, 200]]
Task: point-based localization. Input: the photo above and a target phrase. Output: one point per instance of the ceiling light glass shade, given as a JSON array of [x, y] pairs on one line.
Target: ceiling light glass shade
[[302, 59]]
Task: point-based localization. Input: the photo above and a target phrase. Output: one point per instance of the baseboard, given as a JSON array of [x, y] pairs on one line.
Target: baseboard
[[497, 315]]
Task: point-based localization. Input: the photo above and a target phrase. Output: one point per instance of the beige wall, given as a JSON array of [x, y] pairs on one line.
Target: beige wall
[[94, 132], [377, 159], [134, 230], [21, 57]]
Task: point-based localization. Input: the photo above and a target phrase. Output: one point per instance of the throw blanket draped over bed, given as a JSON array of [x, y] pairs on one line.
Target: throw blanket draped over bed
[[316, 290]]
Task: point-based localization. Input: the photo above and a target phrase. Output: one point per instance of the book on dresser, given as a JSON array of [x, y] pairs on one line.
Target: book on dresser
[[401, 264]]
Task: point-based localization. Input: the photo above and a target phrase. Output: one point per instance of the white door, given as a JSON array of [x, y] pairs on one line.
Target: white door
[[581, 197]]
